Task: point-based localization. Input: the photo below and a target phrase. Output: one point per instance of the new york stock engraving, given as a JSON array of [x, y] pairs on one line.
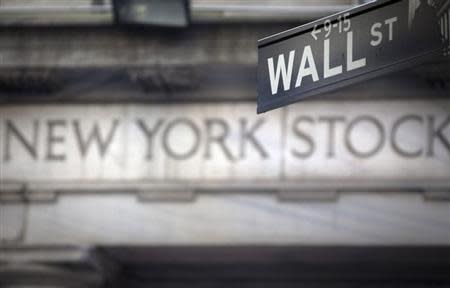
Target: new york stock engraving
[[358, 141]]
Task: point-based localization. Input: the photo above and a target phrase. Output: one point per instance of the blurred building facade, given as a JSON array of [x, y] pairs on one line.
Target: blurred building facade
[[133, 156]]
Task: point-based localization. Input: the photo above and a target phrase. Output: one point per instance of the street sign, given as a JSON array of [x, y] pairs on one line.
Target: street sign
[[345, 48]]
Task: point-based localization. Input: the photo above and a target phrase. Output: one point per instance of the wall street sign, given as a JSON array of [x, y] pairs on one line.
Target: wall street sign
[[351, 46]]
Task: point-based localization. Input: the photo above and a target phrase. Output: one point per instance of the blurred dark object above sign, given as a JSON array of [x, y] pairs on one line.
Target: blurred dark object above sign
[[349, 47], [173, 13]]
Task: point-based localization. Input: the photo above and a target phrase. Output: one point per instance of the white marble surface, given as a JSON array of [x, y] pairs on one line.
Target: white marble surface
[[354, 219]]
